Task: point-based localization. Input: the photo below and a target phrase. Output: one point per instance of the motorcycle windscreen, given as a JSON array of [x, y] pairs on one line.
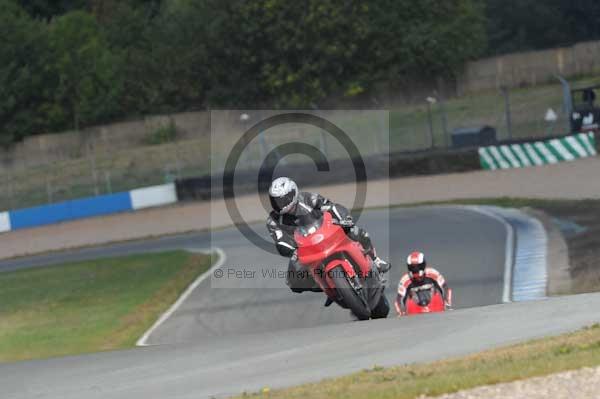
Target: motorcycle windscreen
[[425, 301], [316, 238]]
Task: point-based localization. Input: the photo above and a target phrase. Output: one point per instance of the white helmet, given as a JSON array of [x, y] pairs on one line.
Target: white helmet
[[416, 264], [283, 194]]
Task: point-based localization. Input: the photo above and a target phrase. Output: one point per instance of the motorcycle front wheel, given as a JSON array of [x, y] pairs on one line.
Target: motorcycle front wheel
[[348, 295], [382, 309]]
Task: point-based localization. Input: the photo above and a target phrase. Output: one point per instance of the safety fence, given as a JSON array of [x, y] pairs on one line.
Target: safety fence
[[505, 156], [114, 158]]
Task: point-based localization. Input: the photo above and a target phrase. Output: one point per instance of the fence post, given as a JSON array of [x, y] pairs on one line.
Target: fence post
[[444, 120], [430, 101], [94, 174], [108, 182], [176, 157], [567, 101], [91, 156], [11, 191], [48, 189], [264, 148], [505, 93], [380, 139], [323, 142]]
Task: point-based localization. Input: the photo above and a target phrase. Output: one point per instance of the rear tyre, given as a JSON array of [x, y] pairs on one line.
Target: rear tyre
[[348, 295], [382, 309]]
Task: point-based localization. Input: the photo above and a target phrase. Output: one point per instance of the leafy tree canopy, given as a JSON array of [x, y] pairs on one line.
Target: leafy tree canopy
[[518, 25], [67, 64]]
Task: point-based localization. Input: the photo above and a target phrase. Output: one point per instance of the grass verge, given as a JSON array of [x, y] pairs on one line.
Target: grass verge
[[534, 358], [90, 306]]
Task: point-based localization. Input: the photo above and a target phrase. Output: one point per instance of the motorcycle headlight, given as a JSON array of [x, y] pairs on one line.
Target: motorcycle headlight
[[317, 238]]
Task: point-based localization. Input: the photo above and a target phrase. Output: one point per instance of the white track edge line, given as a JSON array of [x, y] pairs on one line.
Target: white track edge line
[[142, 340], [508, 251]]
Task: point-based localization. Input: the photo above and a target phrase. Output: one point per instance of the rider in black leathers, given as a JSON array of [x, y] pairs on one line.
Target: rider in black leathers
[[288, 205]]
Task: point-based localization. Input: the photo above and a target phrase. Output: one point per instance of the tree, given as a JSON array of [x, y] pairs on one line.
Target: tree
[[77, 62], [298, 53], [22, 76], [164, 54], [128, 34], [519, 25], [177, 62], [424, 39], [316, 49], [87, 83], [48, 9]]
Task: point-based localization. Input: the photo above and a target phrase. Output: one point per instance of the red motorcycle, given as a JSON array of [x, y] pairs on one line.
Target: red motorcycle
[[340, 267], [427, 299]]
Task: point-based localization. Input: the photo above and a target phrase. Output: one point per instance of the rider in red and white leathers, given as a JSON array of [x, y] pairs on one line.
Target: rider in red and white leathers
[[419, 274]]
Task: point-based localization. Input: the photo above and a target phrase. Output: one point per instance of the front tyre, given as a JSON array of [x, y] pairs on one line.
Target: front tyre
[[348, 295], [382, 309]]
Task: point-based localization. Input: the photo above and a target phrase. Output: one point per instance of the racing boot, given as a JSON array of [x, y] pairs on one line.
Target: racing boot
[[382, 265], [363, 237]]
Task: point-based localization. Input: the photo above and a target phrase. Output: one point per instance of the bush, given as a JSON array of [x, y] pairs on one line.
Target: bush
[[162, 134]]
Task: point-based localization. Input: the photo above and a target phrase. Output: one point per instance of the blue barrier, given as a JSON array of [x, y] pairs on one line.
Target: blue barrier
[[70, 210]]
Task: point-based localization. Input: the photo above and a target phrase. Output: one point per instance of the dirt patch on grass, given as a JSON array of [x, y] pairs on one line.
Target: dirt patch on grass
[[580, 222]]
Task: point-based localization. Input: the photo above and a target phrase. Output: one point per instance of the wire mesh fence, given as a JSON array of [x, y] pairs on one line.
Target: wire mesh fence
[[533, 112], [514, 114]]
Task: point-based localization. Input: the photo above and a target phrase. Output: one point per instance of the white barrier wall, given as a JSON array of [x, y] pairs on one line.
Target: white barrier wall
[[153, 196], [88, 207], [4, 222]]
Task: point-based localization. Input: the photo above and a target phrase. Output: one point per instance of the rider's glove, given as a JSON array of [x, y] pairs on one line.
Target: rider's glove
[[294, 256]]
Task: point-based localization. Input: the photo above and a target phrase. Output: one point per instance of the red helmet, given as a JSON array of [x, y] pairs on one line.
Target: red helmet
[[416, 265]]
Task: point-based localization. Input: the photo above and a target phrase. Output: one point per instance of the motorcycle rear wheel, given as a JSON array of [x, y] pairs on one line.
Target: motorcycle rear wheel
[[348, 295]]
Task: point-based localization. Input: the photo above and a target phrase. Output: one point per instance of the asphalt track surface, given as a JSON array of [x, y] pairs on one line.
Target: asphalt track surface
[[466, 246], [249, 334]]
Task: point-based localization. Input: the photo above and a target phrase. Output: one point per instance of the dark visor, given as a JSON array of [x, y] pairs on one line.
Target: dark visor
[[278, 203], [414, 268]]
